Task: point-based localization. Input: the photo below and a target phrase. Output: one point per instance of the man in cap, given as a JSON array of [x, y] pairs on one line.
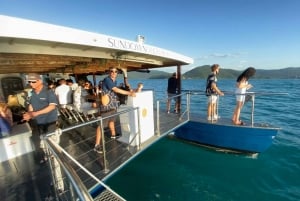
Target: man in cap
[[42, 109]]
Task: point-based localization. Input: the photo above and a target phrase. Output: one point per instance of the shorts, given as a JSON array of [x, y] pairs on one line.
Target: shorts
[[212, 99], [240, 98], [107, 119], [240, 94], [170, 96]]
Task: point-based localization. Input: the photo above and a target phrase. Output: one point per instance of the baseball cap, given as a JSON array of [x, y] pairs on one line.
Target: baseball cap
[[33, 77]]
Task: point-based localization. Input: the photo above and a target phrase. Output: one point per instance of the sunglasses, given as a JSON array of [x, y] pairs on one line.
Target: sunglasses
[[114, 71], [29, 82]]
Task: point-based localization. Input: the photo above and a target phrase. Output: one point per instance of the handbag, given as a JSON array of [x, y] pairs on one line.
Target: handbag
[[108, 101]]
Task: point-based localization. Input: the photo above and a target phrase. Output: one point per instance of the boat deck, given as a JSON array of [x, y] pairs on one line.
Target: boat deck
[[23, 178]]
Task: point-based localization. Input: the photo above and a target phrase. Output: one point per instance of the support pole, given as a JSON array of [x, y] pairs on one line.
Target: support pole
[[179, 87]]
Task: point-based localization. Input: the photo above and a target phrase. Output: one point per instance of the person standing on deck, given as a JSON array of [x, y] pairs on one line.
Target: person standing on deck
[[80, 96], [109, 86], [212, 92], [71, 84], [91, 98], [242, 86], [63, 93], [172, 91], [42, 109]]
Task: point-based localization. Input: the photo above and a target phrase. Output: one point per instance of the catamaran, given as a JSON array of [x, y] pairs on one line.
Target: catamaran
[[74, 170]]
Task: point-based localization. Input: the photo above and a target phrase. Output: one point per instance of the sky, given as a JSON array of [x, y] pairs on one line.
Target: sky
[[236, 34]]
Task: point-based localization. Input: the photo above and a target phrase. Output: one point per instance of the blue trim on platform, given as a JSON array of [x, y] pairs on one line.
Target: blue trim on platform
[[240, 138]]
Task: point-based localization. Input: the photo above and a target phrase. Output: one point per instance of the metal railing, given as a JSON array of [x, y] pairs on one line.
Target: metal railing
[[182, 117], [65, 169], [68, 185], [75, 177]]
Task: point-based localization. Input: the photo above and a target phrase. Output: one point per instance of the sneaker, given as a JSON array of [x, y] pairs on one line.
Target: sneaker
[[212, 118], [168, 111], [98, 149], [115, 136], [216, 117], [60, 191], [44, 160]]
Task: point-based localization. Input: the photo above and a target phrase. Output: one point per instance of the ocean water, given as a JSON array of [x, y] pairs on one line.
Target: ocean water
[[180, 171]]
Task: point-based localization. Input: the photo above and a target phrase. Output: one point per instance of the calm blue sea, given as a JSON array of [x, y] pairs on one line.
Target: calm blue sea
[[174, 170]]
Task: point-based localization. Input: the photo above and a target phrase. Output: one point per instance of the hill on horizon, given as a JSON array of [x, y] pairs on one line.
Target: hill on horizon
[[201, 72]]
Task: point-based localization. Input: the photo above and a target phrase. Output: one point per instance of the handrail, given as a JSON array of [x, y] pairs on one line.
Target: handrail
[[91, 121], [202, 92], [62, 156], [80, 189], [251, 94]]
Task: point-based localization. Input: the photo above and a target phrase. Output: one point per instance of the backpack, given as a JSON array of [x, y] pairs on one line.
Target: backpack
[[208, 91]]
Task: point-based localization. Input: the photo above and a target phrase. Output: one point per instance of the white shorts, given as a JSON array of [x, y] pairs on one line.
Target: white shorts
[[240, 98], [212, 99], [240, 94]]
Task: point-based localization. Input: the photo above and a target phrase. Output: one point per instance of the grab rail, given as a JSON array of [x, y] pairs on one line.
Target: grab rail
[[59, 160], [62, 157], [76, 183]]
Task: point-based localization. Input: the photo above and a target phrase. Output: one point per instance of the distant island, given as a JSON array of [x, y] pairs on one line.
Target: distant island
[[201, 72]]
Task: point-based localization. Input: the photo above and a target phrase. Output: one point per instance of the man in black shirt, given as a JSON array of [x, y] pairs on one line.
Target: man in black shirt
[[172, 91]]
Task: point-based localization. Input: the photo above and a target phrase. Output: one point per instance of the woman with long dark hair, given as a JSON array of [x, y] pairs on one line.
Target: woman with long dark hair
[[242, 86]]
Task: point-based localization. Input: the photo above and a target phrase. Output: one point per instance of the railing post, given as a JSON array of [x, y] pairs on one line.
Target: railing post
[[217, 106], [139, 128], [188, 104], [157, 119], [51, 167], [252, 112], [103, 146]]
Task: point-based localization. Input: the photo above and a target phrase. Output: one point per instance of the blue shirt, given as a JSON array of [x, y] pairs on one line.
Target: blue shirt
[[41, 101], [107, 86]]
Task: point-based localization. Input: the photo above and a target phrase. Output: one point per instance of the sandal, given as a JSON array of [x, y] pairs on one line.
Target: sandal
[[241, 123]]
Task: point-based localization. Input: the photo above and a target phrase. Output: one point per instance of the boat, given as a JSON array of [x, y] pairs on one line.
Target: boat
[[74, 170], [222, 134]]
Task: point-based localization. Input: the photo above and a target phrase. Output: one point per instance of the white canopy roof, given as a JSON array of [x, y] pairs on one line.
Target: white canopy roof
[[30, 46]]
